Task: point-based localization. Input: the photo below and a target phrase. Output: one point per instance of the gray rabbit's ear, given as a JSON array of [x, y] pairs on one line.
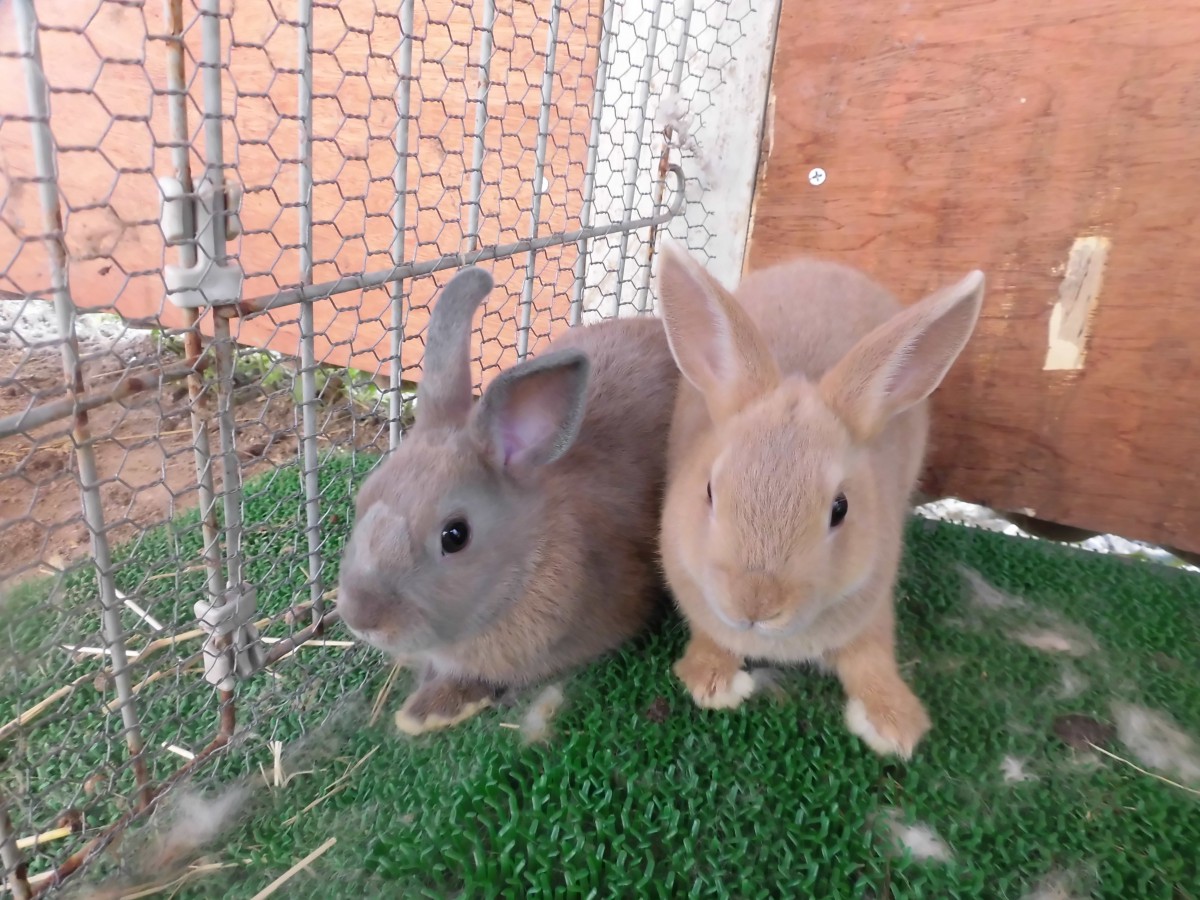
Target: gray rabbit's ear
[[531, 414], [444, 398]]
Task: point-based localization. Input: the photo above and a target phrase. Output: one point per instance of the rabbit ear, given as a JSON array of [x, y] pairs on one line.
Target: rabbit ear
[[715, 344], [903, 360], [530, 415], [444, 398]]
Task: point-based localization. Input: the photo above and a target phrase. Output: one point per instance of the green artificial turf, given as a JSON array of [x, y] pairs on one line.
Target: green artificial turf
[[638, 793]]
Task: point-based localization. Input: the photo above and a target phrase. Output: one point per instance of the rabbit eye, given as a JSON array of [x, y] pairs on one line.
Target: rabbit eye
[[455, 535], [838, 513]]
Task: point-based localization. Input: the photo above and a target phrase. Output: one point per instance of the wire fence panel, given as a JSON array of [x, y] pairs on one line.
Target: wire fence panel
[[221, 225]]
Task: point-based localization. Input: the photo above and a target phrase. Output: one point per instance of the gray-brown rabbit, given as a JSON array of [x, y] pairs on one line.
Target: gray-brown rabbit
[[508, 540]]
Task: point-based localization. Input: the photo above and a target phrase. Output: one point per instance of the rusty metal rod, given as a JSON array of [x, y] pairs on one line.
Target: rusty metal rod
[[177, 93], [287, 645], [129, 384], [257, 305]]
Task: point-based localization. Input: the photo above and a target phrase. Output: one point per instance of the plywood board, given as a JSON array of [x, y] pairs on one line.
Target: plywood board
[[1053, 145]]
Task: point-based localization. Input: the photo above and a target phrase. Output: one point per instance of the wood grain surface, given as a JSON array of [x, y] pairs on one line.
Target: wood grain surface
[[1057, 147]]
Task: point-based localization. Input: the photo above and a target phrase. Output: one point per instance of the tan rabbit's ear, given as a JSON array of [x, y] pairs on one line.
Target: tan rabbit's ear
[[903, 360], [714, 342], [444, 398], [531, 414]]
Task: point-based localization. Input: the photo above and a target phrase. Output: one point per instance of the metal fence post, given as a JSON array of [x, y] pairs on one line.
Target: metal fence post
[[308, 358], [603, 62], [211, 241], [484, 70], [182, 164], [676, 78], [400, 221], [45, 154], [539, 169], [633, 149]]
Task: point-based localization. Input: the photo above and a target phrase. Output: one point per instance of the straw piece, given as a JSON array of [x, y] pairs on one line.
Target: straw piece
[[1137, 768], [286, 876]]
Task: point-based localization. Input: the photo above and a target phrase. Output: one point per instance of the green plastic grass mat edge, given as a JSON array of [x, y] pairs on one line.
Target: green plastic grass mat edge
[[638, 793]]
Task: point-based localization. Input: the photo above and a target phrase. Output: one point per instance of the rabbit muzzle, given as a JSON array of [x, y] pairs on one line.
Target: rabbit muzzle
[[756, 602]]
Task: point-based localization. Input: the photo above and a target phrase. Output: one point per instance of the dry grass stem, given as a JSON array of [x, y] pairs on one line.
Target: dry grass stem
[[1137, 768], [140, 613], [28, 715], [180, 668], [140, 655], [130, 655], [162, 575], [381, 698], [152, 888], [46, 837], [290, 873], [316, 643], [339, 784]]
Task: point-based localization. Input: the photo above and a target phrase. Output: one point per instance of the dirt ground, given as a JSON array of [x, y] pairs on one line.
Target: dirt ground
[[143, 454]]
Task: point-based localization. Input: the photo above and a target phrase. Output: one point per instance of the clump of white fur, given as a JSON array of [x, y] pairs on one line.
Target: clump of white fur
[[1072, 684], [1013, 770], [673, 114], [195, 821], [1044, 629], [1070, 640], [918, 839], [1158, 742], [769, 681], [987, 596], [535, 724], [1057, 886]]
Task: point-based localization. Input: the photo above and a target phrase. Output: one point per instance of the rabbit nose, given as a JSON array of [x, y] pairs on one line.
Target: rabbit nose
[[769, 625], [359, 609], [762, 603]]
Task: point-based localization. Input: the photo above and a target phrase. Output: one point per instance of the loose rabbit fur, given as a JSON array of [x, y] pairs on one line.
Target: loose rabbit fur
[[797, 440], [510, 539]]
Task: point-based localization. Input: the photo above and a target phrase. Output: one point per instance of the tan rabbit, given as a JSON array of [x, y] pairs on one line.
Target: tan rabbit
[[797, 440], [508, 540]]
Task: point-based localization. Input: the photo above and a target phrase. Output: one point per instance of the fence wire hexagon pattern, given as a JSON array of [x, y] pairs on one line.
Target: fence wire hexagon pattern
[[221, 225]]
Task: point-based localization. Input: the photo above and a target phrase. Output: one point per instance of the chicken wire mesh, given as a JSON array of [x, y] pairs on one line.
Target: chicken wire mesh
[[221, 226]]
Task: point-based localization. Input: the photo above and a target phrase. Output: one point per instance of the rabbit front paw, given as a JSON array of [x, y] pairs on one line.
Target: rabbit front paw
[[714, 679], [441, 703], [891, 723]]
